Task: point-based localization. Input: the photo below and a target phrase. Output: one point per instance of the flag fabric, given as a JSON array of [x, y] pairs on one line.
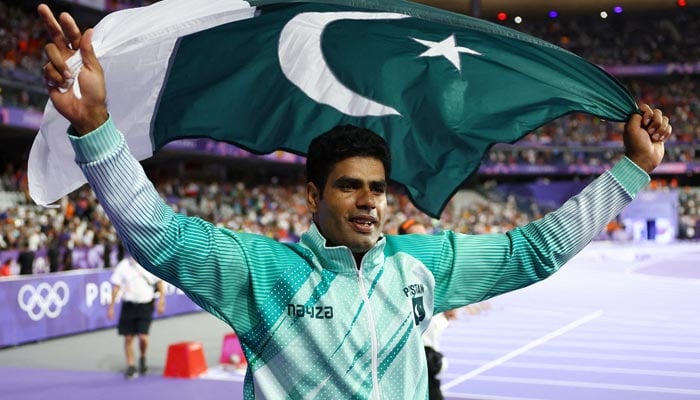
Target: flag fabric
[[440, 87]]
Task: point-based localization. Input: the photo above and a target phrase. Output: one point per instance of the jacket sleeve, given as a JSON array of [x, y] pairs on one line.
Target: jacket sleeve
[[472, 268], [208, 263]]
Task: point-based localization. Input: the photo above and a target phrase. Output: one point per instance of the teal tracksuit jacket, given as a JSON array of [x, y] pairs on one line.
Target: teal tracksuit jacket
[[312, 323]]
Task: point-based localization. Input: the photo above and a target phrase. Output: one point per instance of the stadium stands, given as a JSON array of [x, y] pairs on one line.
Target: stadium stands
[[571, 148]]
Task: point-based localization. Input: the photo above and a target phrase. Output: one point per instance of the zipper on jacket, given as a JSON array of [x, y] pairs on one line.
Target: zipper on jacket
[[373, 336]]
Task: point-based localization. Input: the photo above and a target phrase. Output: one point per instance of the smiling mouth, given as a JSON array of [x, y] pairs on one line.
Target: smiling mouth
[[362, 225]]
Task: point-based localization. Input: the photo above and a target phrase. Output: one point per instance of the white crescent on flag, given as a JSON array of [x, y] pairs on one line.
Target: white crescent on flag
[[303, 63]]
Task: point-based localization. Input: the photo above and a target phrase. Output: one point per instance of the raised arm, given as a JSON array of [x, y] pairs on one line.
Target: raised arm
[[482, 266], [208, 263]]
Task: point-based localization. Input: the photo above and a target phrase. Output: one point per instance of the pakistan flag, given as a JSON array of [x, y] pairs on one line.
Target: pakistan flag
[[440, 87]]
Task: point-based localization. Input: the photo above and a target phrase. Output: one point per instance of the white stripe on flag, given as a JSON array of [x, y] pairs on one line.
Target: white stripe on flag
[[134, 47]]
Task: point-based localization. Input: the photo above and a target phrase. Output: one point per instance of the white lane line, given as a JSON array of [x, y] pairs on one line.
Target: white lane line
[[683, 323], [523, 349], [596, 369], [609, 324], [598, 356], [591, 385], [475, 396], [569, 355], [630, 337], [625, 346], [610, 345], [654, 324]]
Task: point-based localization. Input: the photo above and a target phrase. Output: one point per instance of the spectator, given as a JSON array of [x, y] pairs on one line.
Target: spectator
[[138, 288], [25, 259]]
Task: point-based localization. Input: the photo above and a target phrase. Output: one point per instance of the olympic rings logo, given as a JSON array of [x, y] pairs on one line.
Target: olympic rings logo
[[44, 300]]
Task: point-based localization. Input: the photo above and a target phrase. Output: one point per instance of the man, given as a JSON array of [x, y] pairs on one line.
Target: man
[[341, 313], [137, 287]]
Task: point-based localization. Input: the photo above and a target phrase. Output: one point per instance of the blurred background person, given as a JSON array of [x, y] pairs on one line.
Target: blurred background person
[[138, 288]]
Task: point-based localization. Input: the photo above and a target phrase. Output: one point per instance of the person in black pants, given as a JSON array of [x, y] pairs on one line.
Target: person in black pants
[[25, 259], [138, 288]]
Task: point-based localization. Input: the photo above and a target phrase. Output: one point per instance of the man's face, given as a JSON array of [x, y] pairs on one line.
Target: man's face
[[351, 211]]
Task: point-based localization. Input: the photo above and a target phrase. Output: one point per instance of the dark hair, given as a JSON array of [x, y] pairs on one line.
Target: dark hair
[[340, 143]]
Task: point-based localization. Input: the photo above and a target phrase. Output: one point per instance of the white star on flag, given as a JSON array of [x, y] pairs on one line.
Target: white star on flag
[[447, 48]]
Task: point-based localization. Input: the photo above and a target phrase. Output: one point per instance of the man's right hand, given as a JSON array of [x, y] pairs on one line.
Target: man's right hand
[[89, 112], [644, 137]]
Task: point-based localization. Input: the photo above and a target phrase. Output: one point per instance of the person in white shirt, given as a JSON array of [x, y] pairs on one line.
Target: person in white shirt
[[137, 287]]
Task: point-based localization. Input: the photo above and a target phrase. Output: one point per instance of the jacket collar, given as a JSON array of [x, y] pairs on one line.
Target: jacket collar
[[339, 258]]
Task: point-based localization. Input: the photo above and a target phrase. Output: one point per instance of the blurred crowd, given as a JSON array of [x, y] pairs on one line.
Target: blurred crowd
[[278, 209], [671, 36], [21, 58]]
